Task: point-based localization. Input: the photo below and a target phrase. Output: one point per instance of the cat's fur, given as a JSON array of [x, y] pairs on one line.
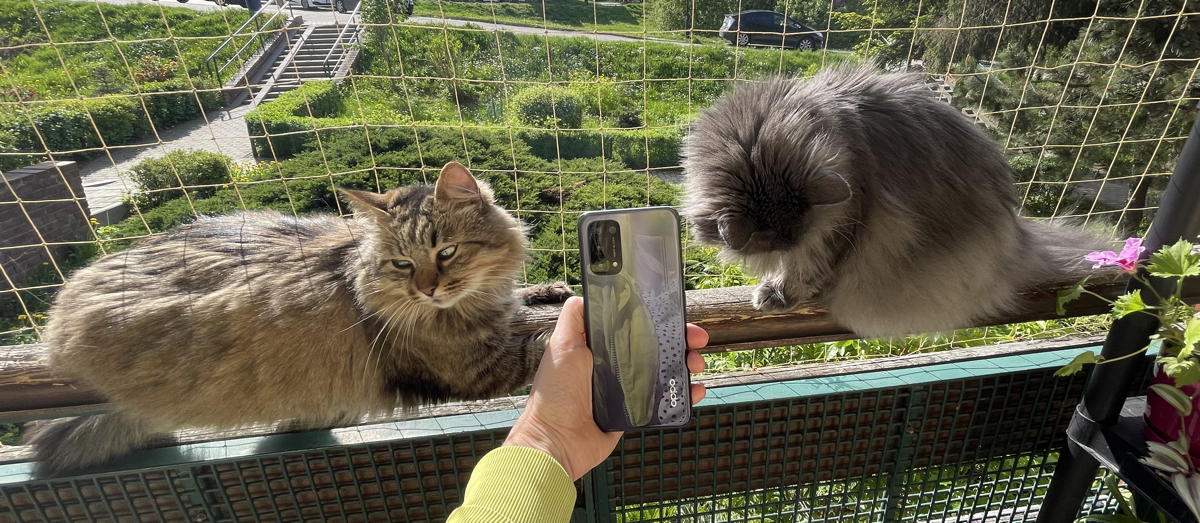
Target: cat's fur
[[864, 191], [261, 316]]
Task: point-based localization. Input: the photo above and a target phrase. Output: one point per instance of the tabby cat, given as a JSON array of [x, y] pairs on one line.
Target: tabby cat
[[260, 316]]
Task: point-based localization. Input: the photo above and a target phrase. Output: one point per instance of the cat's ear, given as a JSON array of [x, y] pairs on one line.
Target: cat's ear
[[456, 185], [367, 203], [827, 188]]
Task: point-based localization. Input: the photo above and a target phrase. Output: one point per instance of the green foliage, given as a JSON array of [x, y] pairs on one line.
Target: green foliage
[[548, 106], [1175, 261], [17, 322], [1128, 304], [702, 270], [143, 50], [638, 148], [1083, 358], [164, 179], [69, 128], [584, 16], [1066, 296], [10, 434], [152, 79], [1071, 74], [284, 126], [1185, 371]]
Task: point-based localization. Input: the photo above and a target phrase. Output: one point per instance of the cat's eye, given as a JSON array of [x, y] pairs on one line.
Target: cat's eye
[[447, 253], [403, 265]]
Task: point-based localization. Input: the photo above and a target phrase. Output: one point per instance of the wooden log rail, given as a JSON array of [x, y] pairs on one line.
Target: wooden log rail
[[29, 390]]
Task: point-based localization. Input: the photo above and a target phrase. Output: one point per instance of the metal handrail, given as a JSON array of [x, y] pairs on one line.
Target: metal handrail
[[341, 37], [210, 61]]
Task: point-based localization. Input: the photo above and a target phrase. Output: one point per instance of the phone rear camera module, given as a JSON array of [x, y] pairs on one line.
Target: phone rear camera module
[[604, 244]]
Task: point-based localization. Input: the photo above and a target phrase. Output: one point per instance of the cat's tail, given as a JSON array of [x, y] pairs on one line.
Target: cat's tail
[[69, 445], [1061, 248]]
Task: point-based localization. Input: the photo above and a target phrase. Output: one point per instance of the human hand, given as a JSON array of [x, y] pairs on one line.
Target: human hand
[[558, 416]]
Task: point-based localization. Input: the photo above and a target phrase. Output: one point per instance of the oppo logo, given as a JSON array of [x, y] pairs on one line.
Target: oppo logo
[[674, 392]]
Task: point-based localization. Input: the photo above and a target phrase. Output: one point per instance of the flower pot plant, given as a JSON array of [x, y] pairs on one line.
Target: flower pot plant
[[1173, 400]]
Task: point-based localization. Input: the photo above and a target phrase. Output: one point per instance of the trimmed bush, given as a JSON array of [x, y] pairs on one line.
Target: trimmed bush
[[289, 124], [173, 102], [548, 106], [627, 146], [65, 126], [160, 178]]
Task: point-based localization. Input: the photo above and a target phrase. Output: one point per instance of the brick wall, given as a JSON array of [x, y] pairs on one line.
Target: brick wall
[[57, 221]]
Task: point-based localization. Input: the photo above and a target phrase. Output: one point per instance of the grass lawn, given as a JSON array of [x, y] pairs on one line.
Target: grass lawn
[[582, 16]]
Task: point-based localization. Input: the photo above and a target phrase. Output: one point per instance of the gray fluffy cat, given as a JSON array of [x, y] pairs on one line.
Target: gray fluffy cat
[[260, 316], [863, 190]]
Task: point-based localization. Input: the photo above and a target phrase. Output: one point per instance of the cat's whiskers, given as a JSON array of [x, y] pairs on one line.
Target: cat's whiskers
[[360, 322], [382, 330]]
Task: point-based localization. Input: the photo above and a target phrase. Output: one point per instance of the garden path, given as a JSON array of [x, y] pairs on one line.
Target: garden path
[[106, 177]]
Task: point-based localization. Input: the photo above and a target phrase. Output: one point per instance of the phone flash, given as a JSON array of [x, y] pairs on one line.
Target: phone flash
[[616, 264]]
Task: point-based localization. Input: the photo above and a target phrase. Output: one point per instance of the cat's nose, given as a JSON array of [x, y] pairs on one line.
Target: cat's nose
[[426, 280]]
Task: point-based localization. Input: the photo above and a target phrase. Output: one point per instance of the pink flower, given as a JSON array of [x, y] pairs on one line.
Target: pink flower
[[1126, 260]]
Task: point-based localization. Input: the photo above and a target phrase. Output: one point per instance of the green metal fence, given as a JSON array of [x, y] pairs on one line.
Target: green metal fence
[[968, 440]]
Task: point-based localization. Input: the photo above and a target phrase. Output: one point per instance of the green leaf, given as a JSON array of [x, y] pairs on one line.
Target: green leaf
[[1185, 371], [1114, 489], [1179, 400], [1128, 304], [1191, 336], [1077, 364], [1175, 261], [1066, 296]]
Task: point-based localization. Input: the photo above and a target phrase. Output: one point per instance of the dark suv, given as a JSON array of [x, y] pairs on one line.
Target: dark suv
[[769, 28]]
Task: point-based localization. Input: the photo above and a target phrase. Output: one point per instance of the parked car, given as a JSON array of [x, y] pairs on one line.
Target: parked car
[[769, 28]]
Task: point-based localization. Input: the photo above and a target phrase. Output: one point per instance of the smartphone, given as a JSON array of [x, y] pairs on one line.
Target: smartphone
[[634, 308]]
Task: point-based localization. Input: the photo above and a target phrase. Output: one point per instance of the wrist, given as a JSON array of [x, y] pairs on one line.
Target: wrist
[[527, 434]]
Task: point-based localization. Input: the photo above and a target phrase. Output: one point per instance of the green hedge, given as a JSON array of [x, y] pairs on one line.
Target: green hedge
[[66, 126], [159, 179], [290, 124], [629, 146]]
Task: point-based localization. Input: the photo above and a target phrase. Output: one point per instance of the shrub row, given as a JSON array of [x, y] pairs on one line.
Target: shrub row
[[293, 123], [636, 148], [289, 124], [66, 126], [166, 178]]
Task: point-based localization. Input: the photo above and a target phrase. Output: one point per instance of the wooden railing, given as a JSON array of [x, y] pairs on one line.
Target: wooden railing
[[30, 390]]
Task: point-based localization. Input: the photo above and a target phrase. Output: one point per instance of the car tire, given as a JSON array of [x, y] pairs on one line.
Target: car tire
[[743, 40], [305, 4], [339, 6], [806, 44]]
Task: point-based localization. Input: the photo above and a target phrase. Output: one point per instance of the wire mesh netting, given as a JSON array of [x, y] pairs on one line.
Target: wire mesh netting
[[563, 106], [172, 111]]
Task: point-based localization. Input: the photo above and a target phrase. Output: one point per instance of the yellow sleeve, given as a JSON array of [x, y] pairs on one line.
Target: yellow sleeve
[[516, 484]]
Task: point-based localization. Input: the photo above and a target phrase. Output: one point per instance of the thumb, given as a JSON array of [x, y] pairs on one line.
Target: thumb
[[568, 332]]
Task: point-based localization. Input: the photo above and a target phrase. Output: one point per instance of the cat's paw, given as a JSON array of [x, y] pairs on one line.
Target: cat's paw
[[770, 298], [544, 293]]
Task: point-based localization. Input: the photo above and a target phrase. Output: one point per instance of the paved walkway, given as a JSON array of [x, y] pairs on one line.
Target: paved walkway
[[224, 131]]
